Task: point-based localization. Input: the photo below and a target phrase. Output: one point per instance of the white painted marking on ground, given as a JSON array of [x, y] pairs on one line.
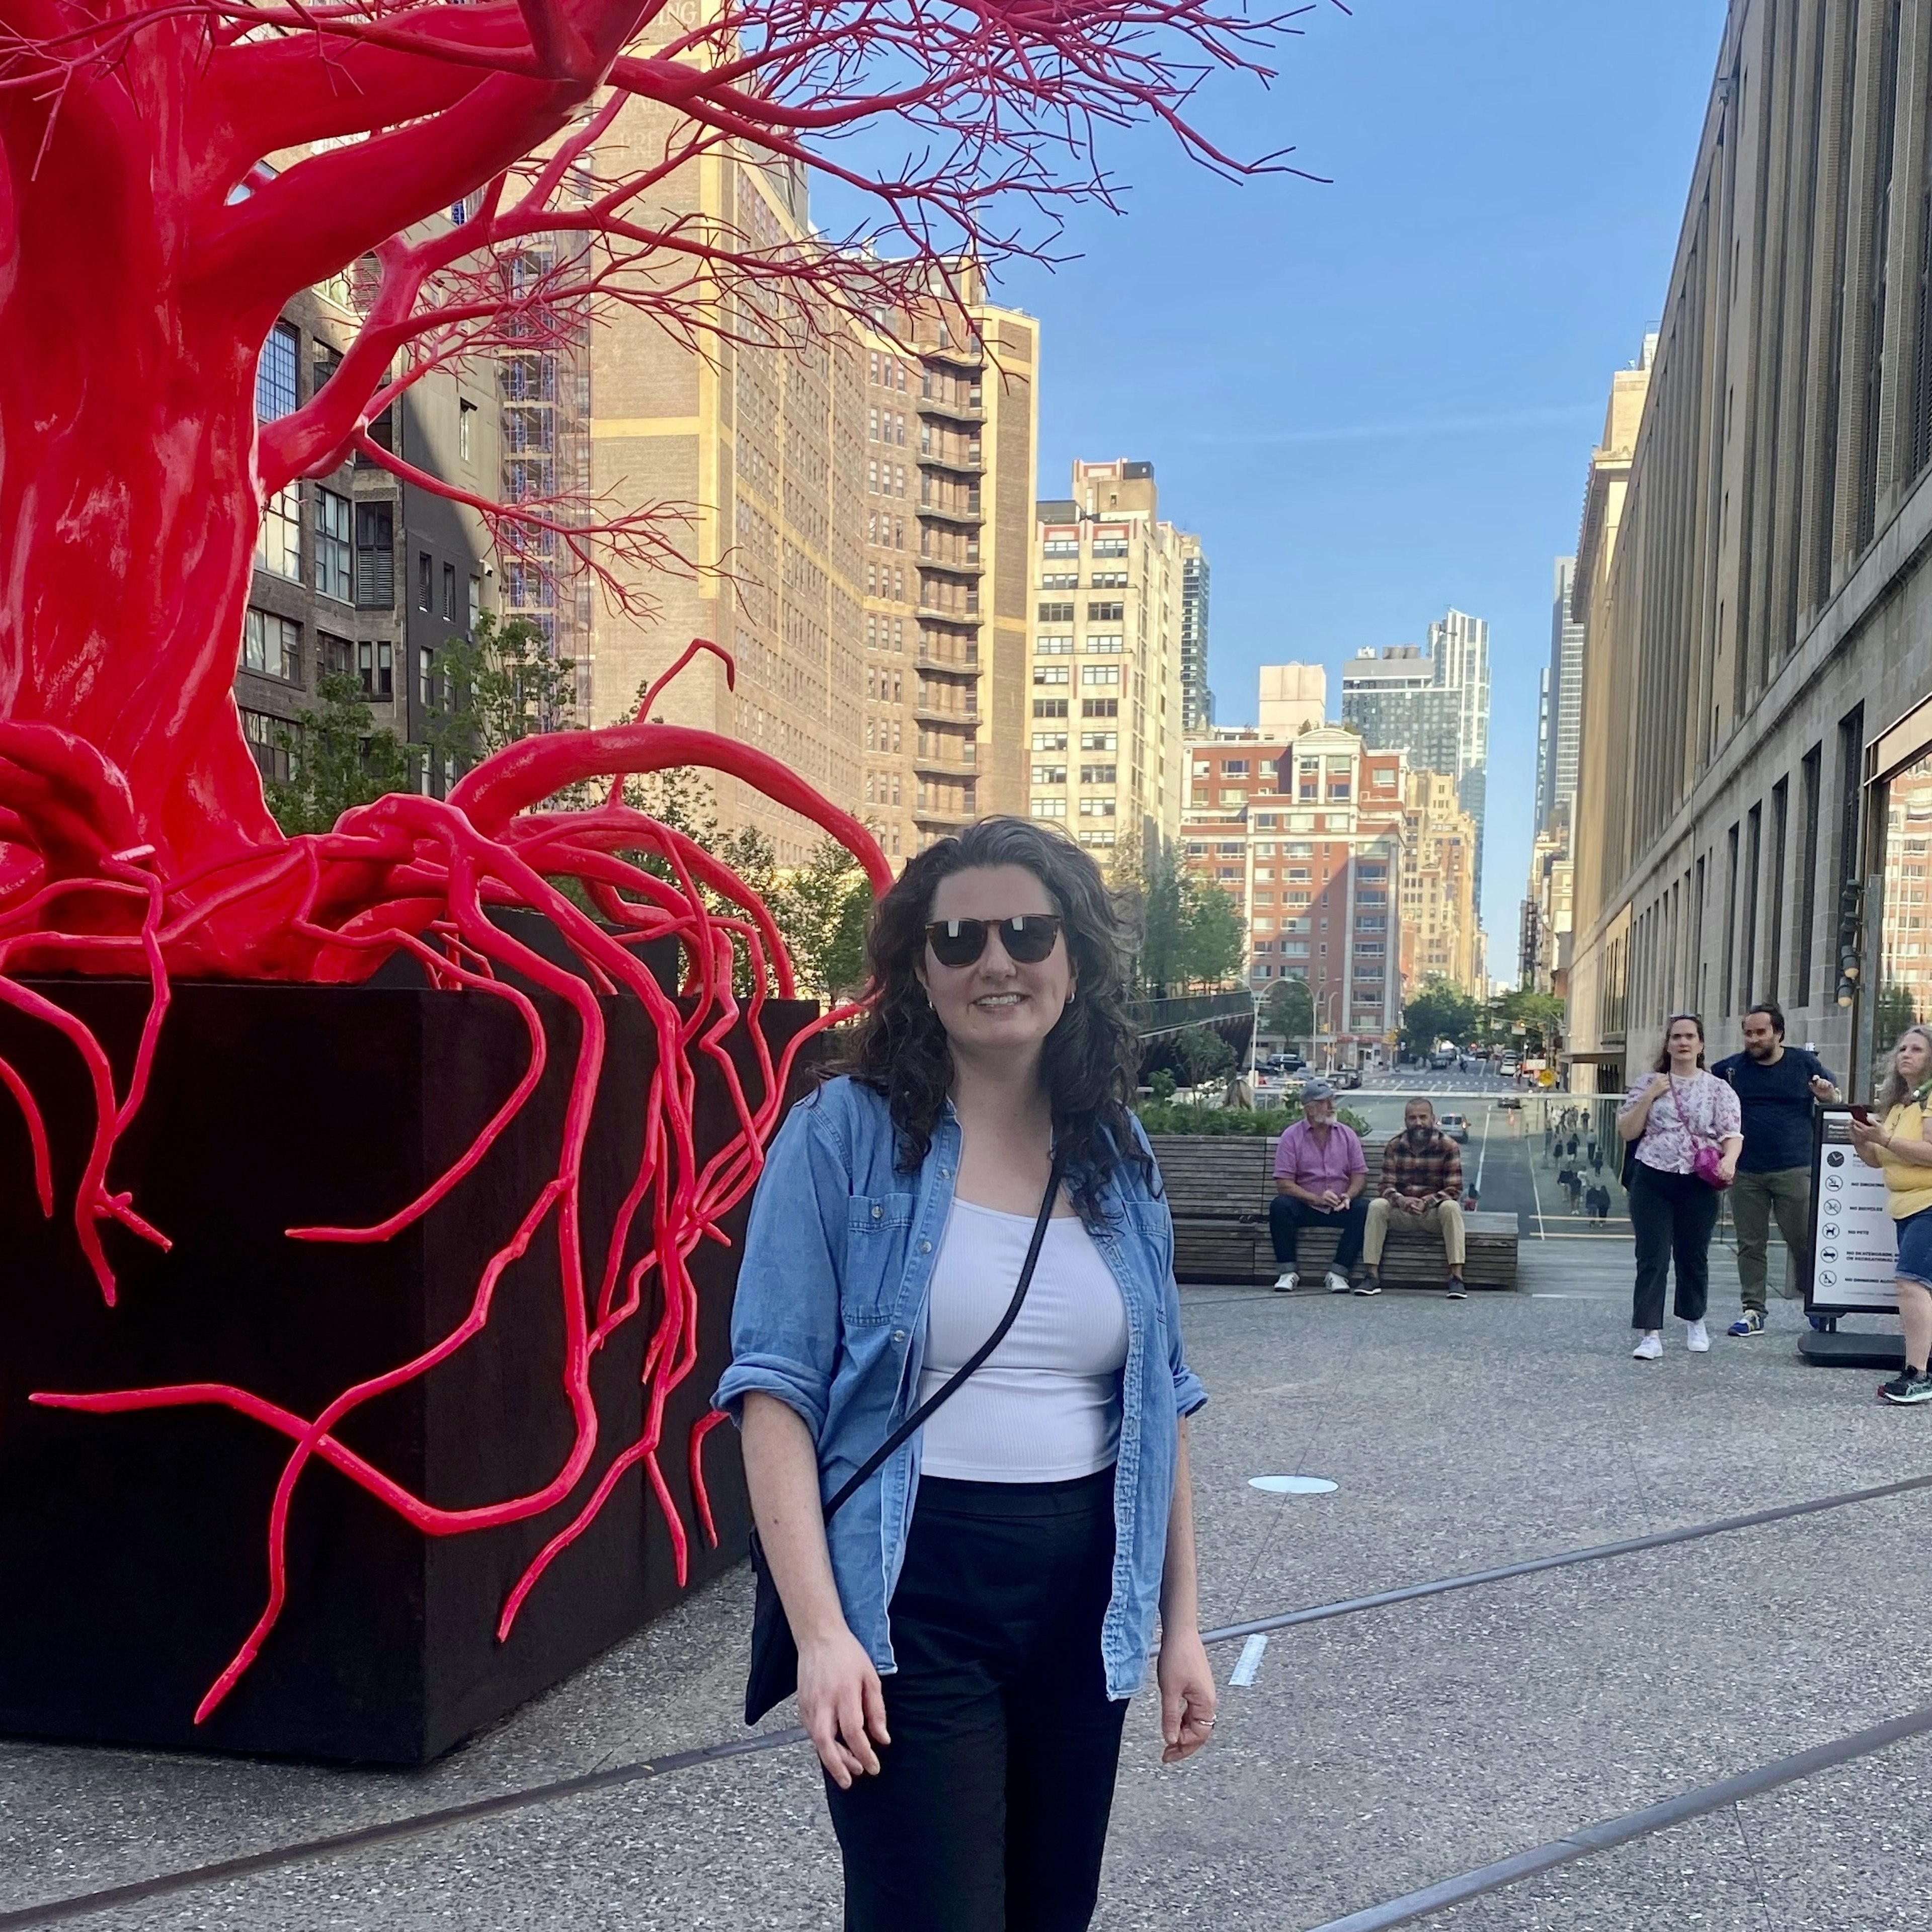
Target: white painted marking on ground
[[1249, 1663], [1292, 1486], [1483, 1152]]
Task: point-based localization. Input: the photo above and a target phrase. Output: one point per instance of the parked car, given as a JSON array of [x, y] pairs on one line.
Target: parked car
[[1456, 1126], [1509, 1069], [1347, 1076]]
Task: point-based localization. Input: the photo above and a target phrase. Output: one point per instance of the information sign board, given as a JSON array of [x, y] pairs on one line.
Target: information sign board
[[1854, 1243]]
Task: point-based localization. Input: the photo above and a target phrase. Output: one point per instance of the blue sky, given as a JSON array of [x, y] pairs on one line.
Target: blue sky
[[1377, 398]]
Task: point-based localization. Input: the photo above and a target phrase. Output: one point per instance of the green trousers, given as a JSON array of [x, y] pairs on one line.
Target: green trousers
[[1754, 1198]]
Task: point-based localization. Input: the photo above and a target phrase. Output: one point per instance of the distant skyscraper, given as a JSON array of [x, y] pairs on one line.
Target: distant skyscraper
[[1294, 699], [1542, 746], [1197, 701], [1433, 704], [1556, 778]]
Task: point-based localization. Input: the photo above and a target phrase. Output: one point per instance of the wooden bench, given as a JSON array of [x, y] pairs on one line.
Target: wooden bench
[[1219, 1187]]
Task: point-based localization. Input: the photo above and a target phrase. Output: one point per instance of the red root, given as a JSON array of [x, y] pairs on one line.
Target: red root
[[419, 875]]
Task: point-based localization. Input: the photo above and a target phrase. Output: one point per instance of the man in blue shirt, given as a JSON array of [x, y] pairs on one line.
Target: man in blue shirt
[[1775, 1086]]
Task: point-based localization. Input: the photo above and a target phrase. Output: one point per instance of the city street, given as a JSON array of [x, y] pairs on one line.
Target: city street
[[1365, 1754]]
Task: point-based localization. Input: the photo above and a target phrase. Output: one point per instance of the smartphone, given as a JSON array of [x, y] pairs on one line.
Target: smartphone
[[1862, 1115]]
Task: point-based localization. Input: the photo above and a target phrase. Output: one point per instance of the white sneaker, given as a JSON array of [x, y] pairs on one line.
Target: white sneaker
[[1698, 1339], [1287, 1282], [1648, 1349], [1338, 1282]]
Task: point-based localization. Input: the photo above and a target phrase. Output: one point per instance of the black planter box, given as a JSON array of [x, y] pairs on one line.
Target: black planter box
[[135, 1544]]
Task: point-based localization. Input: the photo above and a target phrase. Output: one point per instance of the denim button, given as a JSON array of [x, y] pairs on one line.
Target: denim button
[[898, 1334], [925, 1247], [878, 1213]]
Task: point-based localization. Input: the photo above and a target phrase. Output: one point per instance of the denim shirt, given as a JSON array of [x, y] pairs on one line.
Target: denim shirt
[[831, 1319]]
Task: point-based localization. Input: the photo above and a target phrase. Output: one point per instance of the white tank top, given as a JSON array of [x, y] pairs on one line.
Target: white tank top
[[1045, 1406]]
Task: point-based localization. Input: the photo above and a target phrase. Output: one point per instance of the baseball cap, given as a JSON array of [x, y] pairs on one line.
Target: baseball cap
[[1317, 1090]]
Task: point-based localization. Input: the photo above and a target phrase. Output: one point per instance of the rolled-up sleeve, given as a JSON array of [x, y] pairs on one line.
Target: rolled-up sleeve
[[785, 1322]]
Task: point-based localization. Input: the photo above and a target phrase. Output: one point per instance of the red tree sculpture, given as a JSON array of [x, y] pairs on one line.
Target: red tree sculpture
[[174, 171]]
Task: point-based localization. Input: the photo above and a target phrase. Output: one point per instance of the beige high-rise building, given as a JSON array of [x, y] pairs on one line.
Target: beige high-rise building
[[1440, 938], [1294, 699], [951, 425], [765, 439], [1108, 751]]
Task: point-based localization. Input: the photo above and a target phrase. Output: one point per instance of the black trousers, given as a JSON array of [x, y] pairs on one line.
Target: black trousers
[[989, 1812], [1673, 1216], [1286, 1214]]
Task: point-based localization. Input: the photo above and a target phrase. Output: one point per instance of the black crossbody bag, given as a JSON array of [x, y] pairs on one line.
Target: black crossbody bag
[[773, 1676]]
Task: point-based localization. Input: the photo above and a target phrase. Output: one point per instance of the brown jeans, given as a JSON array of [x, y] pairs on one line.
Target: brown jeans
[[1439, 1217]]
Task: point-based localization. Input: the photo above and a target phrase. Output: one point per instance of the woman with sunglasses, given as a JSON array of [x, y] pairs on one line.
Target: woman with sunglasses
[[1675, 1110], [969, 1628]]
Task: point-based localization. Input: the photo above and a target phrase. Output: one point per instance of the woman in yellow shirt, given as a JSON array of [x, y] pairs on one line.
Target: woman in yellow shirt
[[1902, 1145]]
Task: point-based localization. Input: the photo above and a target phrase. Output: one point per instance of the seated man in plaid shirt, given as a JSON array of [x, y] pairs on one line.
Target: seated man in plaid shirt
[[1422, 1182]]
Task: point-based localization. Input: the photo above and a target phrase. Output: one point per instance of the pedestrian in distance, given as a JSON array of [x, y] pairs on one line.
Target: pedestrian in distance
[[1596, 1157], [1319, 1174], [1678, 1110], [1777, 1087], [1422, 1184], [969, 1627], [1901, 1144]]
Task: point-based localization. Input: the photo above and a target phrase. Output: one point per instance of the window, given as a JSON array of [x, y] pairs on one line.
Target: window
[[1056, 614], [1106, 613], [275, 373], [1110, 546], [375, 556], [1049, 808], [449, 592], [1730, 916], [1234, 768], [1062, 580], [466, 415], [1097, 774], [1049, 647], [475, 600], [1803, 943], [278, 542], [1061, 547], [1099, 741], [1049, 741], [1103, 640], [1049, 707], [1096, 807], [1781, 806], [426, 678], [271, 645], [1049, 775], [1092, 674], [1754, 861], [263, 733], [1098, 707], [1109, 580], [1051, 674], [375, 661], [332, 545], [425, 581], [333, 654]]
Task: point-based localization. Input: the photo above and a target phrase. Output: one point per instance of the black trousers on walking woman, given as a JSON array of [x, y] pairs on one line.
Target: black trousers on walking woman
[[989, 1812], [1673, 1216]]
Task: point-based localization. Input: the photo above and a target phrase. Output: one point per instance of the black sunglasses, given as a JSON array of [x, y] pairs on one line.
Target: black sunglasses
[[1027, 937]]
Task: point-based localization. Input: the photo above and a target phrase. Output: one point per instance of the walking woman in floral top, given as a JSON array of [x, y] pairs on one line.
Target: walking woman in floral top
[[1674, 1115]]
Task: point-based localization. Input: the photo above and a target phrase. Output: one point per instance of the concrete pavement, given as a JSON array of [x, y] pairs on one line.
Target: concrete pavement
[[1372, 1753]]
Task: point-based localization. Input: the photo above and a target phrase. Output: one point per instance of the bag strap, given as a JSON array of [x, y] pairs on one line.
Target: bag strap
[[1690, 1133], [873, 1463]]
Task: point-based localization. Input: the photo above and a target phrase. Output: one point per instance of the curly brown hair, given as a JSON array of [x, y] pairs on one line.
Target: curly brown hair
[[1091, 1060]]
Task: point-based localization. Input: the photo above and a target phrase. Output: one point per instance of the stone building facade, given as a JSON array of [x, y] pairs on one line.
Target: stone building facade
[[1759, 638]]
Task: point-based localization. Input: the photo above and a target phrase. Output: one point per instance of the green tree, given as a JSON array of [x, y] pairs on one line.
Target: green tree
[[502, 683], [1289, 1009], [1161, 961], [823, 910], [1541, 1015], [1201, 1054], [337, 759], [1217, 944], [1440, 1011]]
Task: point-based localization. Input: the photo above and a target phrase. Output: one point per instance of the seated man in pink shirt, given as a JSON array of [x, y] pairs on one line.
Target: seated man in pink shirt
[[1318, 1177]]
